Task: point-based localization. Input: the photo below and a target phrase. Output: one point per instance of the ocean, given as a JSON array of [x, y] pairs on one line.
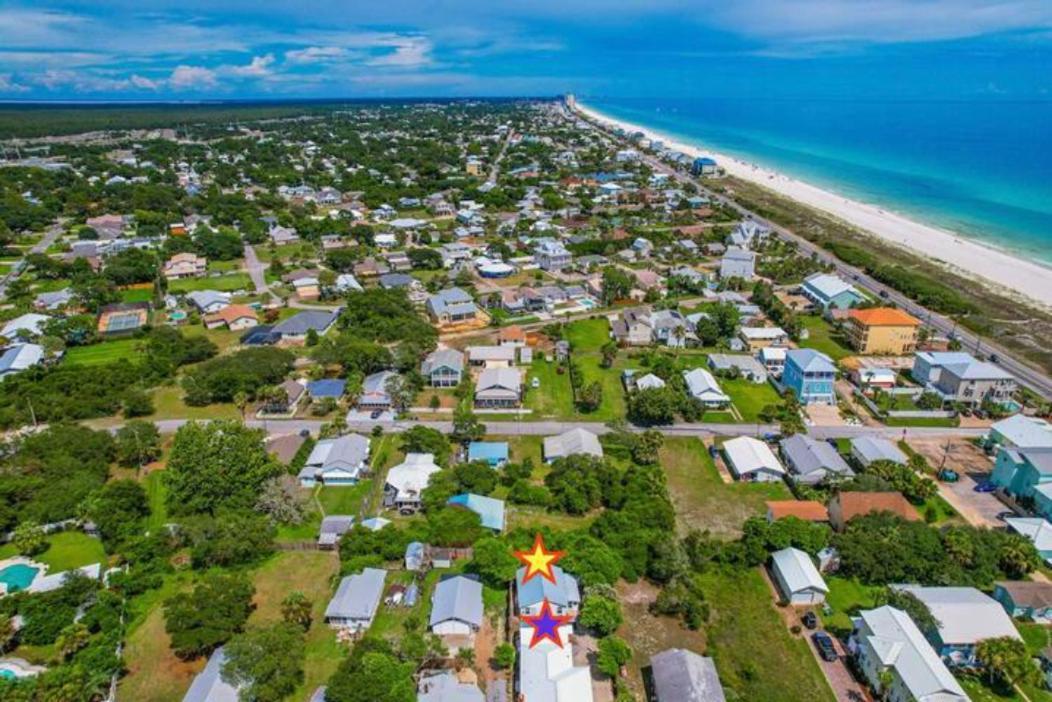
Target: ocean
[[982, 168]]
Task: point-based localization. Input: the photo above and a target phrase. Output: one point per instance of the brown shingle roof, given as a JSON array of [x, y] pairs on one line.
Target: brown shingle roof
[[1028, 593], [853, 504], [808, 510]]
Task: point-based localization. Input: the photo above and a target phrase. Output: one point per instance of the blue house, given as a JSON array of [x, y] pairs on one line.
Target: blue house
[[489, 510], [1026, 473], [494, 453], [826, 290], [332, 387], [703, 166], [810, 375]]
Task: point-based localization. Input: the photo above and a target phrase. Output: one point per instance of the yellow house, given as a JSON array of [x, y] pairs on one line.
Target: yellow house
[[882, 330]]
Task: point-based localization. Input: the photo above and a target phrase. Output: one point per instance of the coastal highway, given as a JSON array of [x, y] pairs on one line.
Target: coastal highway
[[1027, 375]]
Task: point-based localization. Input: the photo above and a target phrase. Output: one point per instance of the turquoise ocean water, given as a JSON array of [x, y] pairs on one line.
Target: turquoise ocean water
[[982, 168]]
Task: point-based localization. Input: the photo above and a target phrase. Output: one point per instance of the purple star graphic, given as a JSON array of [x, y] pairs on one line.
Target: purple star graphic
[[546, 625]]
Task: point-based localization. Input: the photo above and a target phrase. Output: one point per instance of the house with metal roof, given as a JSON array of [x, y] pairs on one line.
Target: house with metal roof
[[810, 462], [499, 387], [680, 675], [20, 357], [738, 263], [570, 443], [564, 594], [547, 672], [797, 578], [746, 366], [702, 386], [456, 606], [966, 616], [374, 394], [337, 461], [443, 368], [445, 686], [1026, 473], [1020, 431], [209, 686], [25, 326], [891, 651], [357, 597], [495, 453], [752, 460], [451, 305], [811, 375], [827, 290], [333, 526], [209, 301], [299, 325], [490, 510], [415, 556], [868, 449], [1037, 530], [407, 480]]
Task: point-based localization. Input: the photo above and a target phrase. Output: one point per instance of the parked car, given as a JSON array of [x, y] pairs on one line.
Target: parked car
[[948, 476], [810, 620], [375, 414], [986, 486], [825, 646]]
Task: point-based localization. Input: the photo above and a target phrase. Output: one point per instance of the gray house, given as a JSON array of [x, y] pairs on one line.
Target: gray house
[[297, 327], [684, 676], [443, 368], [374, 393], [747, 366], [958, 377], [738, 263], [332, 528], [208, 685], [456, 606], [498, 388], [867, 449], [811, 461], [356, 599]]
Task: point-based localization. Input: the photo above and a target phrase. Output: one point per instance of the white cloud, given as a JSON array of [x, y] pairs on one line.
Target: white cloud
[[408, 52], [191, 77], [8, 84], [259, 67], [143, 83], [316, 54]]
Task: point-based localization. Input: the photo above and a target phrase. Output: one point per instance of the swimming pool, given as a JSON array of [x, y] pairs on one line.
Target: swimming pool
[[7, 674], [18, 576]]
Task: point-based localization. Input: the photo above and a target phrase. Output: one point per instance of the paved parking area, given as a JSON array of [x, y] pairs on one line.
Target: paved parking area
[[974, 467]]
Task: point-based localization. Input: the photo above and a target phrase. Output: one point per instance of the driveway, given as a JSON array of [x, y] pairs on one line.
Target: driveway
[[977, 508], [844, 685]]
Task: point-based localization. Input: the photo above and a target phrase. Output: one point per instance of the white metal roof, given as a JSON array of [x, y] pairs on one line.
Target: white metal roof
[[797, 570], [748, 455]]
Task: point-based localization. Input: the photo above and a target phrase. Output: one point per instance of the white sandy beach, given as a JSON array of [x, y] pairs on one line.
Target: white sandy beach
[[965, 256]]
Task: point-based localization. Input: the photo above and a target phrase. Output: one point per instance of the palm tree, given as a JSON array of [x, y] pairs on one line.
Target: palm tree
[[241, 402]]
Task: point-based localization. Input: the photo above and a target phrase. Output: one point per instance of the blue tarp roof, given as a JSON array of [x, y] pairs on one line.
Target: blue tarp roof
[[331, 387], [488, 451]]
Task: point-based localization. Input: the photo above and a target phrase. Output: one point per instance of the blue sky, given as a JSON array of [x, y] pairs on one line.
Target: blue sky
[[162, 49]]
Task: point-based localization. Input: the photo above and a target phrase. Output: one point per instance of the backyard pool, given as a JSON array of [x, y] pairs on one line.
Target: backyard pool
[[18, 576]]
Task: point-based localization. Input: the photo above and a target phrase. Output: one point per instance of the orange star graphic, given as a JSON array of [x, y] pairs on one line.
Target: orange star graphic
[[539, 561]]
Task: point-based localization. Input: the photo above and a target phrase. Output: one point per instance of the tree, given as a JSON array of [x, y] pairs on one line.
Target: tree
[[653, 406], [1007, 661], [296, 609], [613, 654], [616, 285], [282, 500], [208, 616], [590, 397], [136, 403], [118, 510], [216, 465], [911, 605], [600, 615], [421, 439], [137, 442], [266, 663], [493, 562], [29, 539], [229, 538], [504, 656], [647, 446], [73, 638], [466, 426], [372, 673], [454, 527], [7, 631]]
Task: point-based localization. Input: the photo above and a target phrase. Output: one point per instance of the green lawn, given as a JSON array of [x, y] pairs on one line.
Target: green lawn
[[157, 493], [845, 598], [922, 421], [822, 338], [755, 654], [701, 498], [588, 334], [613, 404], [66, 550], [101, 353], [748, 397], [168, 404], [554, 397], [350, 499], [228, 282], [137, 295]]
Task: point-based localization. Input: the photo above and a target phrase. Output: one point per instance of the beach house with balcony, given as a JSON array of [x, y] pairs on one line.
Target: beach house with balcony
[[882, 330], [810, 374]]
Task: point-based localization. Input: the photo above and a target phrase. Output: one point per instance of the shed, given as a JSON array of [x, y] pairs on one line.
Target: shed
[[495, 453]]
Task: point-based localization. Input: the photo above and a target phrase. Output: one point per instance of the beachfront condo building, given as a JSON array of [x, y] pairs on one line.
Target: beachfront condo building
[[882, 330]]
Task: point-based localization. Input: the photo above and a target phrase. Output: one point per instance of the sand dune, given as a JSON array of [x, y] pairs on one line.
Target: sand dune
[[998, 268]]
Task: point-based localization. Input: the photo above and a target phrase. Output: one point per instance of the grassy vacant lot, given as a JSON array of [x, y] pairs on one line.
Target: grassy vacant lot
[[157, 493], [230, 281], [137, 295], [587, 335], [702, 500], [349, 499], [168, 404], [554, 397], [312, 573], [754, 652], [613, 404], [822, 338], [748, 397], [103, 352]]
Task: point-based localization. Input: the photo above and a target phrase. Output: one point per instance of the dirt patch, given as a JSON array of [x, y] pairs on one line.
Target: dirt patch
[[825, 415], [648, 634]]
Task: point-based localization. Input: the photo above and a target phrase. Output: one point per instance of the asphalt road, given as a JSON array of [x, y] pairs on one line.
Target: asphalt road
[[1034, 379]]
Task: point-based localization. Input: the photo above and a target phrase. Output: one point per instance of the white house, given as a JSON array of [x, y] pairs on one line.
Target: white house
[[797, 579], [572, 442], [703, 387], [354, 604], [339, 461], [456, 607], [752, 460], [407, 480]]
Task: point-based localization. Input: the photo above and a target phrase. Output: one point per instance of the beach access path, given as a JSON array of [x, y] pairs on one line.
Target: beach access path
[[1026, 374]]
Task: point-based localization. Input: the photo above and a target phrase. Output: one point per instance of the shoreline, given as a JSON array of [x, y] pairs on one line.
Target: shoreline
[[996, 267]]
